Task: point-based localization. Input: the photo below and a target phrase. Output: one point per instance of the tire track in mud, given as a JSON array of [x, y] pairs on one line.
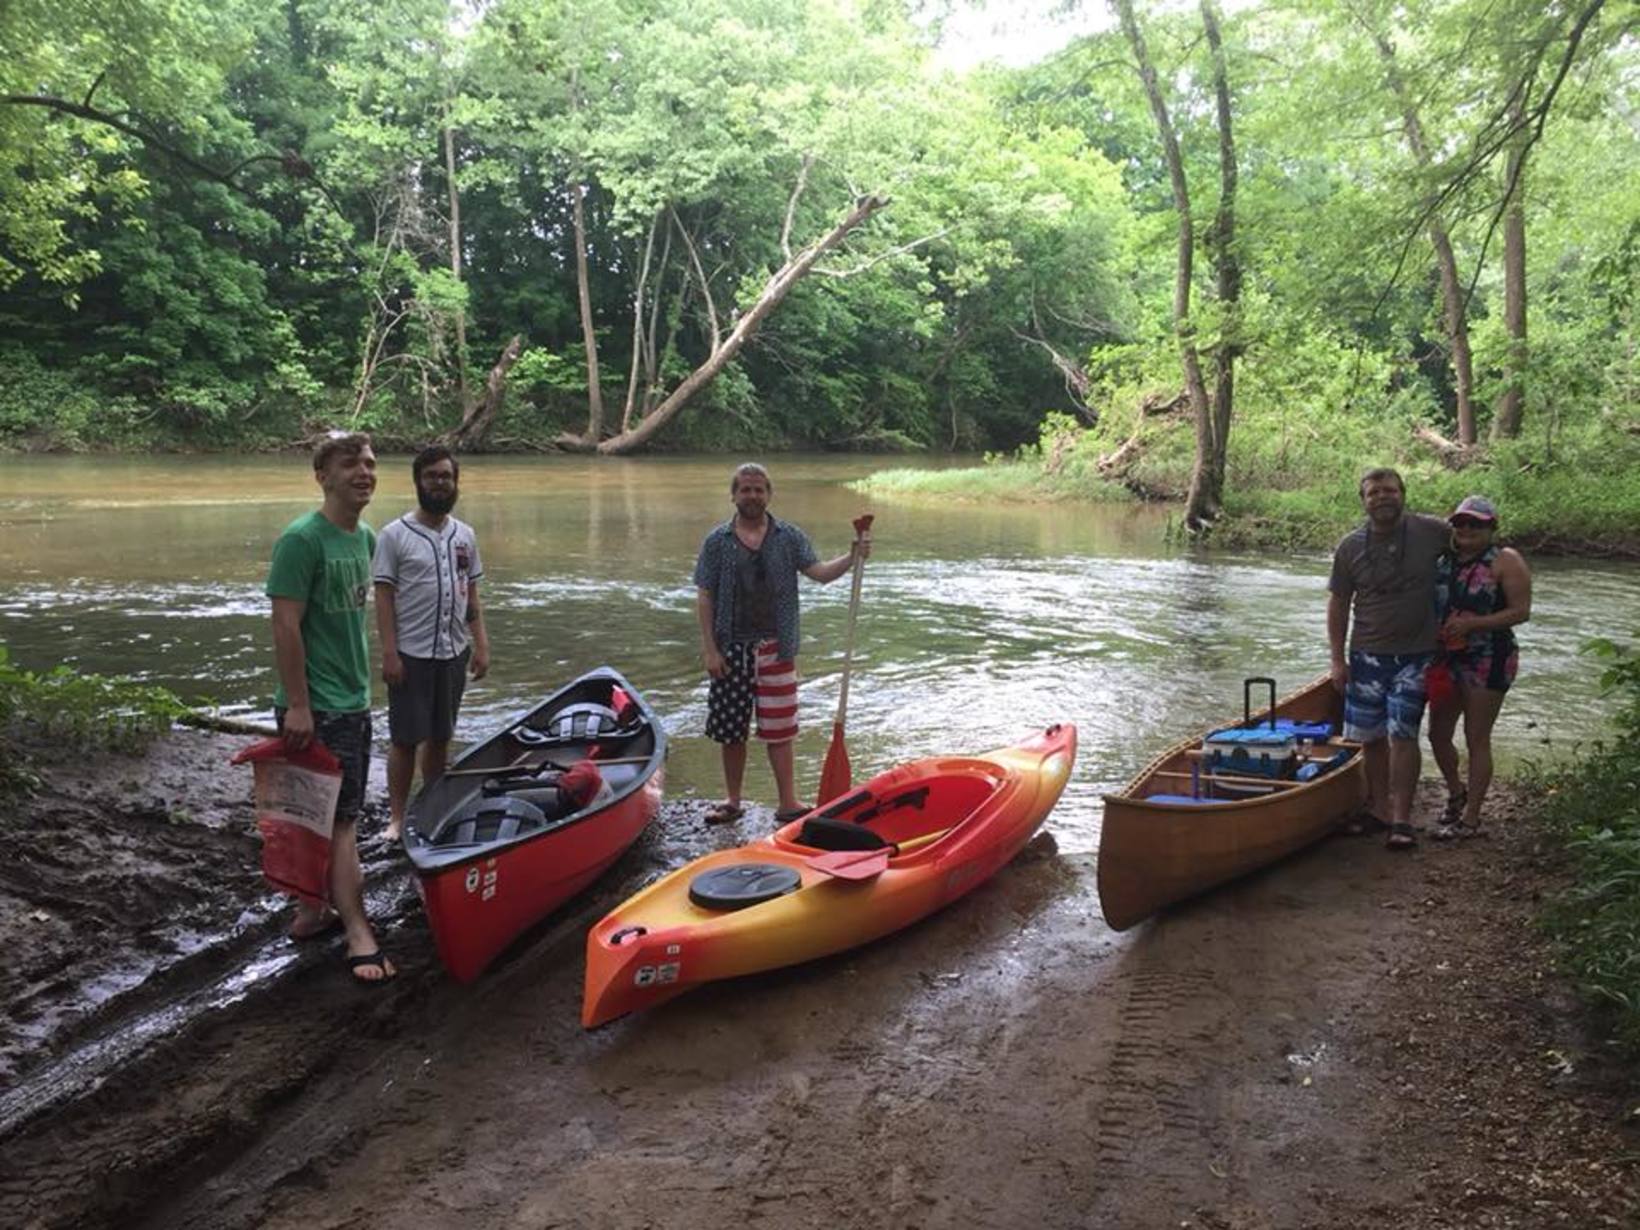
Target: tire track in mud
[[1156, 1121], [251, 959], [178, 1070], [302, 1140]]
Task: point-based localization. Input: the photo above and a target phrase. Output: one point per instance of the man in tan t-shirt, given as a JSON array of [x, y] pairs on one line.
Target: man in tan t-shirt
[[1383, 592]]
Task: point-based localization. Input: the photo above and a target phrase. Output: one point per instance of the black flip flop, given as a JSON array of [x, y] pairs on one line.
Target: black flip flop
[[371, 958], [1401, 837]]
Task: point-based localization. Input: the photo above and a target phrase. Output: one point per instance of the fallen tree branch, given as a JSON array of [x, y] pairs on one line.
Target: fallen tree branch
[[1450, 453], [225, 725], [475, 425]]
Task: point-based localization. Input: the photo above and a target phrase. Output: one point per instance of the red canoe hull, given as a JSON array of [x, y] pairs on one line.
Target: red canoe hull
[[492, 848], [478, 908]]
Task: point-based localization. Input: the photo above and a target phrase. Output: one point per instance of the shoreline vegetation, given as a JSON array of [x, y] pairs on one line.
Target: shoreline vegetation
[[1584, 503], [1245, 253]]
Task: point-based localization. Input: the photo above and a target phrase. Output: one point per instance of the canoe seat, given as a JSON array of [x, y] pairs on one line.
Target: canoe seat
[[494, 819], [582, 723], [825, 833], [1181, 798]]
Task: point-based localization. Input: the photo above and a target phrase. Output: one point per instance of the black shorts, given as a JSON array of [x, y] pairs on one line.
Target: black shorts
[[347, 735], [423, 708]]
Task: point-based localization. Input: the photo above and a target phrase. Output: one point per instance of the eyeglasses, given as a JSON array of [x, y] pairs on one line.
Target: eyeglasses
[[1470, 523]]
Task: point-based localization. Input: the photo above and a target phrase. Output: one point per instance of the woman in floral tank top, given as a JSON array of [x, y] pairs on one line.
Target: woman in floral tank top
[[1491, 592]]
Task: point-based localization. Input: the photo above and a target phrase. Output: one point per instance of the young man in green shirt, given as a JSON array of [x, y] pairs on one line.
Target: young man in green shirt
[[318, 582]]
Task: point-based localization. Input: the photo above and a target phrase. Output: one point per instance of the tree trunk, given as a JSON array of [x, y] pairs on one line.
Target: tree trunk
[[595, 395], [1506, 417], [1197, 510], [1452, 297], [455, 258], [474, 430], [774, 292], [637, 324], [1210, 500]]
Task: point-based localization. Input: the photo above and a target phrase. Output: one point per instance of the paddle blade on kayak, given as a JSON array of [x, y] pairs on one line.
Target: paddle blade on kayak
[[853, 864], [836, 776]]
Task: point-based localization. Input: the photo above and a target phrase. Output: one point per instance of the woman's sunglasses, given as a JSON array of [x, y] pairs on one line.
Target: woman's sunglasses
[[1470, 523]]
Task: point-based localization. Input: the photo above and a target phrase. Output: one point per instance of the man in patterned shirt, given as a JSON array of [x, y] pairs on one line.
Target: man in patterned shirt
[[746, 599]]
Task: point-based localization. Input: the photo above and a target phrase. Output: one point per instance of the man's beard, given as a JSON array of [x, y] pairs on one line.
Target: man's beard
[[436, 504]]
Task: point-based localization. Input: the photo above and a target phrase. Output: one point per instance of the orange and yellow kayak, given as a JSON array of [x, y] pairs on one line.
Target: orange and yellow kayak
[[877, 859]]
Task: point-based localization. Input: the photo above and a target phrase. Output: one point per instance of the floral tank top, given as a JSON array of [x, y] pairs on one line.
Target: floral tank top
[[1474, 588]]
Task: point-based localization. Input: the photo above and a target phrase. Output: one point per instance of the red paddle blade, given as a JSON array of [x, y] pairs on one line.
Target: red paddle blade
[[836, 777], [853, 864]]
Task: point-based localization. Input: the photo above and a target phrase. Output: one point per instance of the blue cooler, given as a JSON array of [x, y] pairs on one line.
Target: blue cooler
[[1269, 749], [1261, 752]]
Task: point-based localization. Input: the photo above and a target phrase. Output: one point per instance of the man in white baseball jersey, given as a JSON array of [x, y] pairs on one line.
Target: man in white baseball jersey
[[426, 569]]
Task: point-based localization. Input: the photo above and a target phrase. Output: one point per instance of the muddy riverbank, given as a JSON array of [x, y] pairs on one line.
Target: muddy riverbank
[[1350, 1039]]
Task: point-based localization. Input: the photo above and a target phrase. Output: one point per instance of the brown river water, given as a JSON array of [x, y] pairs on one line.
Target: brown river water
[[980, 621]]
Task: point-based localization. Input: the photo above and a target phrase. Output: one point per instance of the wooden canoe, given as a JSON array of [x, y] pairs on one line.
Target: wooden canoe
[[1154, 853], [494, 847]]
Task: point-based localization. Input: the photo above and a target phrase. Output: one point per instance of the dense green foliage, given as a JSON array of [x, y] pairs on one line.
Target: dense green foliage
[[227, 223], [1592, 803], [74, 712]]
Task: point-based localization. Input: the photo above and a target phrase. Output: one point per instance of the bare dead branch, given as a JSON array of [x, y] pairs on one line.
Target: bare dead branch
[[791, 206], [882, 256], [700, 276]]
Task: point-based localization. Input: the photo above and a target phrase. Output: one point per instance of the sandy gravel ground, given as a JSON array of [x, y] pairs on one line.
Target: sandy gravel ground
[[1350, 1039]]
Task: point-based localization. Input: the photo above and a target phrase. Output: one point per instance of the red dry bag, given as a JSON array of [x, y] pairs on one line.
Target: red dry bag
[[296, 793]]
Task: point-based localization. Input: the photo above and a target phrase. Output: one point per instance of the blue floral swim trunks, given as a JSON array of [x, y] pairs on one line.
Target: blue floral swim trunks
[[1385, 695]]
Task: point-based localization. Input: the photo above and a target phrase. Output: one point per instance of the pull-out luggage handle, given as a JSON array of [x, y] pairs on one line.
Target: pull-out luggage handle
[[1247, 699]]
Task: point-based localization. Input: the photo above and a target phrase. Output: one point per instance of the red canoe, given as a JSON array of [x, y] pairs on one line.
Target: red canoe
[[497, 845]]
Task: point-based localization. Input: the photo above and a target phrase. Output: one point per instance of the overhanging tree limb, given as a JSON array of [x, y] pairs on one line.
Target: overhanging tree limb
[[775, 289], [292, 163]]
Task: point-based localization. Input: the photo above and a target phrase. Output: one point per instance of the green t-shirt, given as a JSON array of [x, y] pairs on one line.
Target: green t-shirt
[[329, 570]]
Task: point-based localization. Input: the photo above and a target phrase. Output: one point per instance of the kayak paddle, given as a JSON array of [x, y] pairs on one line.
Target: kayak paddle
[[836, 776], [865, 864]]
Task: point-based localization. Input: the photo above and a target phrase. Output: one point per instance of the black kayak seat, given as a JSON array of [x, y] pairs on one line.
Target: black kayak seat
[[743, 884], [825, 833]]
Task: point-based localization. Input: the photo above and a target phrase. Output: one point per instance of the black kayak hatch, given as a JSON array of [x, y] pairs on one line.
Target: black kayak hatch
[[735, 888]]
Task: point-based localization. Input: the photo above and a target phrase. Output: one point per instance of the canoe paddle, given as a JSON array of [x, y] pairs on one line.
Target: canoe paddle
[[865, 864], [836, 776]]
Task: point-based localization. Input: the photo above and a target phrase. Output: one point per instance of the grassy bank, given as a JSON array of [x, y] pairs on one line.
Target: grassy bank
[[1592, 806], [66, 709], [1581, 501]]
